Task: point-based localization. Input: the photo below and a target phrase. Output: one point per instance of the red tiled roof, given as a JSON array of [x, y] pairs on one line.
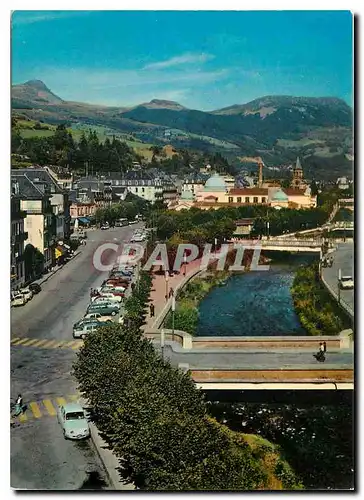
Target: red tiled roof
[[249, 191], [210, 197]]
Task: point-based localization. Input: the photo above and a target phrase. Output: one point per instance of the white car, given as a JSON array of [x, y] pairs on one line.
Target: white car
[[97, 317], [18, 299], [346, 283], [106, 298], [109, 296], [27, 293], [72, 419]]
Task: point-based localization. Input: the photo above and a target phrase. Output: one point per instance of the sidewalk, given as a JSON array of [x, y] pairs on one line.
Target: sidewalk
[[45, 278], [160, 288]]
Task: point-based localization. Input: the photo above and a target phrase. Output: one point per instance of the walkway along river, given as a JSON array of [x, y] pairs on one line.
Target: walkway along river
[[256, 303]]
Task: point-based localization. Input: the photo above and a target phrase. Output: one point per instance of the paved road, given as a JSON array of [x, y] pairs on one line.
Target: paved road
[[344, 260], [258, 360], [40, 457]]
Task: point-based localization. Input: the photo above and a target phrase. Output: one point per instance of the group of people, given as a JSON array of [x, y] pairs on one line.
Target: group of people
[[327, 261]]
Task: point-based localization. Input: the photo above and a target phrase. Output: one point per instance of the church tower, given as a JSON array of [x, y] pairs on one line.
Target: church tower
[[297, 181]]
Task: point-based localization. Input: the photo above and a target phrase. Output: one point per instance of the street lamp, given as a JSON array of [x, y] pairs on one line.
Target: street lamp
[[173, 310], [338, 286], [166, 278], [162, 342], [268, 229], [184, 263]]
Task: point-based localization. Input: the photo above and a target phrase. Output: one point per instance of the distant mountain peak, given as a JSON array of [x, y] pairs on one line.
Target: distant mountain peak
[[37, 84], [163, 104], [35, 92]]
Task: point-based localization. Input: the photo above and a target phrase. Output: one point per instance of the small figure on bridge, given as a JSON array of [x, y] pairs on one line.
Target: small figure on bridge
[[171, 292], [320, 355]]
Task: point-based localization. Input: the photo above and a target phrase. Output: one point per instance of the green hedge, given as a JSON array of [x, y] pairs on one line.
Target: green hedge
[[317, 311]]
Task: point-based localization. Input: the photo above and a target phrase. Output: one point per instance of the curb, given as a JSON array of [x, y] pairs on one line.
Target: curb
[[109, 462]]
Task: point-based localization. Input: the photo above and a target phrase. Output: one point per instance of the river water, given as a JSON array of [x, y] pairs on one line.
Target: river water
[[256, 303]]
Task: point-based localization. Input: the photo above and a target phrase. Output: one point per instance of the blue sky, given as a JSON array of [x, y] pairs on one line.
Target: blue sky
[[204, 60]]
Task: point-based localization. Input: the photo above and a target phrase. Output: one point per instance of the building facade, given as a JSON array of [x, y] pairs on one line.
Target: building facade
[[40, 221], [18, 239]]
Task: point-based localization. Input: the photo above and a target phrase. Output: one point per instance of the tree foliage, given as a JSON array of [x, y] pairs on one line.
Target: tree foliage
[[88, 154], [317, 311]]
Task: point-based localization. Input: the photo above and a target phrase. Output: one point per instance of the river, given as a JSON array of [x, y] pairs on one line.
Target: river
[[256, 303]]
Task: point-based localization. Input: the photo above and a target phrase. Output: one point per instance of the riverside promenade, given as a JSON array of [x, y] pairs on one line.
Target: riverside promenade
[[161, 288]]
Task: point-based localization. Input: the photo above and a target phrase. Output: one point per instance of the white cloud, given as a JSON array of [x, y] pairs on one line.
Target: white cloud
[[178, 60], [30, 17]]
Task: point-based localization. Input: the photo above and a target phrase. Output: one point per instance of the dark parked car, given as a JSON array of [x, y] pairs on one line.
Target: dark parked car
[[35, 287]]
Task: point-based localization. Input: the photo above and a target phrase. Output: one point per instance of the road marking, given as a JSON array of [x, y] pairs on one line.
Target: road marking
[[33, 341], [22, 341], [49, 407], [35, 409], [61, 401], [49, 344], [58, 344], [77, 344], [23, 417], [14, 340], [40, 343]]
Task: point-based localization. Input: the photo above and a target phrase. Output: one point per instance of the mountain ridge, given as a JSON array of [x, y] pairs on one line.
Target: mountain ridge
[[277, 128]]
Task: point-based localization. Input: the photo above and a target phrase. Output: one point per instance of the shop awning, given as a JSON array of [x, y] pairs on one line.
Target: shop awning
[[59, 251]]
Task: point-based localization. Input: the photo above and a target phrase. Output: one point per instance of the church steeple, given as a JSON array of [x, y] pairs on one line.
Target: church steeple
[[297, 181]]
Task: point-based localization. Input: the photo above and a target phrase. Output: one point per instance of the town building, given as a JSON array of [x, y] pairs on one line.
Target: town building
[[61, 175], [194, 183], [40, 221], [41, 177], [18, 238], [343, 183], [215, 194]]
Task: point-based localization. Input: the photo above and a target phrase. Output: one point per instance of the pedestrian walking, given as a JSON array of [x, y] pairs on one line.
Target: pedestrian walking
[[171, 292], [322, 347], [151, 309], [324, 344], [133, 286]]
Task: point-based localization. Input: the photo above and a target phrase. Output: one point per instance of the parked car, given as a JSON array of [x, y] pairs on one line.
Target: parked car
[[110, 297], [18, 299], [117, 282], [83, 328], [28, 294], [116, 291], [104, 308], [97, 317], [72, 419], [104, 227], [35, 288], [346, 283]]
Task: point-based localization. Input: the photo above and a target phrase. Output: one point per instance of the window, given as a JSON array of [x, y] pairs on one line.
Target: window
[[255, 199], [143, 190], [136, 189], [239, 199], [247, 199], [231, 199], [264, 199]]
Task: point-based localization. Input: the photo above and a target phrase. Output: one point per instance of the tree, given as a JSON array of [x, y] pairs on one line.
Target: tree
[[33, 262]]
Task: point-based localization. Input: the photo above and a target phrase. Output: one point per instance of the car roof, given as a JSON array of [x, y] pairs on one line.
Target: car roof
[[72, 407]]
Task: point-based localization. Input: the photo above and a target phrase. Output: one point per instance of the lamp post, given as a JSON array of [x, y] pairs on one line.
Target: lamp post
[[268, 229], [166, 278], [162, 342], [173, 310], [184, 264], [338, 286]]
